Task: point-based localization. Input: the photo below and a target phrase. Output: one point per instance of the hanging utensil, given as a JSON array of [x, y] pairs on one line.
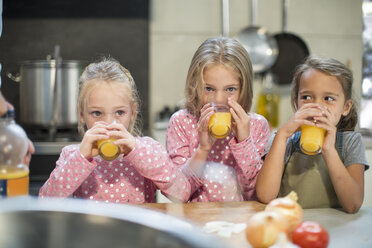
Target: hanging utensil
[[55, 85], [292, 51], [225, 18], [261, 46]]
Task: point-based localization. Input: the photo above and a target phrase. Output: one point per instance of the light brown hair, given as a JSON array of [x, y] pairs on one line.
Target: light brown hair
[[334, 68], [108, 71], [215, 51]]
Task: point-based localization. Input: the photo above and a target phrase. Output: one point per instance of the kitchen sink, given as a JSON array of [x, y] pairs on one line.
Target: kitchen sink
[[28, 222]]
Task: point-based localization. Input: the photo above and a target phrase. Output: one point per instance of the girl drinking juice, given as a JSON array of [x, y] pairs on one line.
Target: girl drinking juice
[[107, 108], [220, 73], [321, 96]]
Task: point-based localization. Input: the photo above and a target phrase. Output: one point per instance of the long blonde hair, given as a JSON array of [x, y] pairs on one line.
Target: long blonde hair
[[214, 51], [344, 76], [107, 70]]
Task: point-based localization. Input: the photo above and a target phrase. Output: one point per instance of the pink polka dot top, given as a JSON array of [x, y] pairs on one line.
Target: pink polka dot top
[[133, 178], [231, 168]]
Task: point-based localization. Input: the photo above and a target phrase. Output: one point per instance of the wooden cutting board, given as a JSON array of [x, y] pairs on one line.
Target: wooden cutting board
[[203, 212]]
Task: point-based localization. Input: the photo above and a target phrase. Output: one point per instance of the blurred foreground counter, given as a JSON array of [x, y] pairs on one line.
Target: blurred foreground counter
[[30, 222], [345, 230]]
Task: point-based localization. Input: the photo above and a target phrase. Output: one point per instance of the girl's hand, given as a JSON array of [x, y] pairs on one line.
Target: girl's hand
[[327, 122], [30, 151], [304, 116], [205, 139], [88, 146], [240, 124], [125, 139]]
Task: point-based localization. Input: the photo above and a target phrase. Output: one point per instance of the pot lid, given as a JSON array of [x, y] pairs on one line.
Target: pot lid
[[52, 63]]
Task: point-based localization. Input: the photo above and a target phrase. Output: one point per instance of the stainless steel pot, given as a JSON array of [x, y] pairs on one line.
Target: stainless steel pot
[[37, 81]]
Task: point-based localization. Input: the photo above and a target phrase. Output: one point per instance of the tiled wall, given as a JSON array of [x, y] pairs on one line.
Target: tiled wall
[[330, 28]]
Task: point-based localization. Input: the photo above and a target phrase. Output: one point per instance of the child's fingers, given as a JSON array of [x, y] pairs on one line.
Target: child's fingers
[[205, 107], [119, 133], [310, 105], [91, 139], [323, 120], [116, 126], [308, 113], [305, 122], [204, 120], [240, 112], [100, 124], [126, 144], [206, 112], [234, 115], [98, 130]]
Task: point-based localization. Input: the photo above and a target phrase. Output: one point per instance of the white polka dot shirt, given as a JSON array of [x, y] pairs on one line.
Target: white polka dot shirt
[[133, 178], [231, 169]]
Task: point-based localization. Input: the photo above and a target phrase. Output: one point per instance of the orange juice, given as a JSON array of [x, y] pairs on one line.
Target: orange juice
[[268, 106], [107, 149], [311, 139], [14, 180], [220, 124]]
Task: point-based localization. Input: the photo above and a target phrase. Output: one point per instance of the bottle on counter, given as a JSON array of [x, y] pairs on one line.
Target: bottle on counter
[[14, 174], [268, 101]]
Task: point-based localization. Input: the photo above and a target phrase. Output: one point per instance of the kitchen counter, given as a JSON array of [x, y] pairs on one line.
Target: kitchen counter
[[346, 230]]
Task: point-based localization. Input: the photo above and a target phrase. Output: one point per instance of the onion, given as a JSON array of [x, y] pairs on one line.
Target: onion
[[264, 227], [289, 208]]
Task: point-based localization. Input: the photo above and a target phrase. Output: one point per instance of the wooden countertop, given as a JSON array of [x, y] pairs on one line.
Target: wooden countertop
[[203, 212], [346, 230]]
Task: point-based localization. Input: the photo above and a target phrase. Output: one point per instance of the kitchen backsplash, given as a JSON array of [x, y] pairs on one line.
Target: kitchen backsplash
[[118, 31]]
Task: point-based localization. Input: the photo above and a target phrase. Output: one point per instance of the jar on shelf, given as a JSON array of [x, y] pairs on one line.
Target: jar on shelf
[[268, 101]]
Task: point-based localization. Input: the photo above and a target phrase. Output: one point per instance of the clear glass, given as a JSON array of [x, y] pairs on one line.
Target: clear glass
[[311, 139], [14, 174], [220, 121], [107, 149]]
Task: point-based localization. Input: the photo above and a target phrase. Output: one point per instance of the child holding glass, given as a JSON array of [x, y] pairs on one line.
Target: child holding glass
[[321, 96], [222, 168], [108, 104]]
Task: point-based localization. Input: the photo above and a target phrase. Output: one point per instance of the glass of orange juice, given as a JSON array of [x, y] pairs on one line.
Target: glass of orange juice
[[311, 139], [107, 149], [14, 180], [220, 122]]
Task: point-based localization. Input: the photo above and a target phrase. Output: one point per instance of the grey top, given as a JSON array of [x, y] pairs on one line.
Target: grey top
[[353, 150]]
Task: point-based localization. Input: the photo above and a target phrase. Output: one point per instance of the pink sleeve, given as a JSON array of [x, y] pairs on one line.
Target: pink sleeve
[[248, 155], [152, 161], [178, 145], [70, 172]]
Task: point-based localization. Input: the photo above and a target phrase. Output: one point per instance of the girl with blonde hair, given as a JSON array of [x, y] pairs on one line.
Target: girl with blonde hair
[[107, 108], [220, 72]]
